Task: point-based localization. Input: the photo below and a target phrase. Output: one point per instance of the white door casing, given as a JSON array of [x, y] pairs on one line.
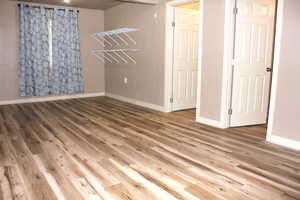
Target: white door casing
[[255, 23], [185, 63]]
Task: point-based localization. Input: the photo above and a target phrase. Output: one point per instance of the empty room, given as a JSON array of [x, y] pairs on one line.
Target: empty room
[[149, 100]]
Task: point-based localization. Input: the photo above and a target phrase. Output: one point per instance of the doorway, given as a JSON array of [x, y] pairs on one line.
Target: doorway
[[182, 54], [252, 62]]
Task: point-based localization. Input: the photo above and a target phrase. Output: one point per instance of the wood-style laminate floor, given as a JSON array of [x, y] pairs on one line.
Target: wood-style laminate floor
[[100, 148]]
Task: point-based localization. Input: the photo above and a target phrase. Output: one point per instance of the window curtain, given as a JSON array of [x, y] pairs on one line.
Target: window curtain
[[49, 51], [66, 66], [34, 51]]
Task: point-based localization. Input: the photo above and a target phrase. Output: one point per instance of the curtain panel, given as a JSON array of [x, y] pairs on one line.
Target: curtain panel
[[34, 51], [66, 67], [50, 60]]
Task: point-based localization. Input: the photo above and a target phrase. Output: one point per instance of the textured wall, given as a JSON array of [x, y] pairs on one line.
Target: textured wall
[[212, 61], [146, 78], [287, 105]]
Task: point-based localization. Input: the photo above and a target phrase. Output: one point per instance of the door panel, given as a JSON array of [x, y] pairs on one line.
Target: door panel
[[185, 65], [253, 55]]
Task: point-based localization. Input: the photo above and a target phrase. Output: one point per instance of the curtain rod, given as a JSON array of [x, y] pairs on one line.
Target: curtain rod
[[46, 7]]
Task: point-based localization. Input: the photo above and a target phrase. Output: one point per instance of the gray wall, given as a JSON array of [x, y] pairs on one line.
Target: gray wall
[[90, 21], [287, 106], [146, 78], [212, 63]]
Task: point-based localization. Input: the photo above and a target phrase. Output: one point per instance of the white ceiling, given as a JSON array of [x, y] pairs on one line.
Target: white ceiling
[[92, 4]]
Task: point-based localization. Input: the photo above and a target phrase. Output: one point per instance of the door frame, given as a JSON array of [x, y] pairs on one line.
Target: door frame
[[229, 31], [228, 63], [275, 71], [169, 50], [229, 40]]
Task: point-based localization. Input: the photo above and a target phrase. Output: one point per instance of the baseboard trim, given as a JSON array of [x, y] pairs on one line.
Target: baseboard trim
[[51, 98], [136, 102], [292, 144], [210, 122]]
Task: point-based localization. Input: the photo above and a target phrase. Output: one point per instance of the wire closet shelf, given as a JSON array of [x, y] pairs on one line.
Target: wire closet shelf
[[115, 38]]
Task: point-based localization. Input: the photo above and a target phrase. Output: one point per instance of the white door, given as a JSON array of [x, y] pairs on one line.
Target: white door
[[185, 61], [255, 24]]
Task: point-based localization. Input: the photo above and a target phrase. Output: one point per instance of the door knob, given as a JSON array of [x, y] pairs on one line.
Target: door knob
[[269, 69]]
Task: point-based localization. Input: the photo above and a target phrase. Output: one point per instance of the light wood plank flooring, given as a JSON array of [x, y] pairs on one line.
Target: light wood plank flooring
[[100, 148]]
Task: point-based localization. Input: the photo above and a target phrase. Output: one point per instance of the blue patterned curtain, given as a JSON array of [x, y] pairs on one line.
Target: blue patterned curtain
[[34, 51], [66, 69]]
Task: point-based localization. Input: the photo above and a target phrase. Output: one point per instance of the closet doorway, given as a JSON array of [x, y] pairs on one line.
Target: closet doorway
[[182, 54]]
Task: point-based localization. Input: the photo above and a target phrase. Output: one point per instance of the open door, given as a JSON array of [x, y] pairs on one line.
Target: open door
[[254, 43], [185, 60]]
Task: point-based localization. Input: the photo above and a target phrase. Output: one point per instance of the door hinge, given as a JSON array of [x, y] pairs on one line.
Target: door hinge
[[171, 100], [173, 24], [235, 11], [233, 62], [230, 111]]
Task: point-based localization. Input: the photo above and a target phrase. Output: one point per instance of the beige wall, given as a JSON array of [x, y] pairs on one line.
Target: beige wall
[[8, 51], [212, 63], [287, 106], [146, 78], [89, 21]]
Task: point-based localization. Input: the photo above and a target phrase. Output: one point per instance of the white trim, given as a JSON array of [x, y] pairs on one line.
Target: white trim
[[278, 36], [292, 144], [168, 58], [227, 62], [50, 98], [136, 102], [200, 59], [169, 48], [209, 122]]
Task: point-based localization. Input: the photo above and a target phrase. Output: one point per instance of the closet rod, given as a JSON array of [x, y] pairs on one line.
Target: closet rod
[[46, 7]]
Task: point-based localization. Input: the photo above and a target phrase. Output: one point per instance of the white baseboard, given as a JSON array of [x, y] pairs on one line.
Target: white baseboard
[[51, 98], [136, 102], [292, 144], [210, 122]]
